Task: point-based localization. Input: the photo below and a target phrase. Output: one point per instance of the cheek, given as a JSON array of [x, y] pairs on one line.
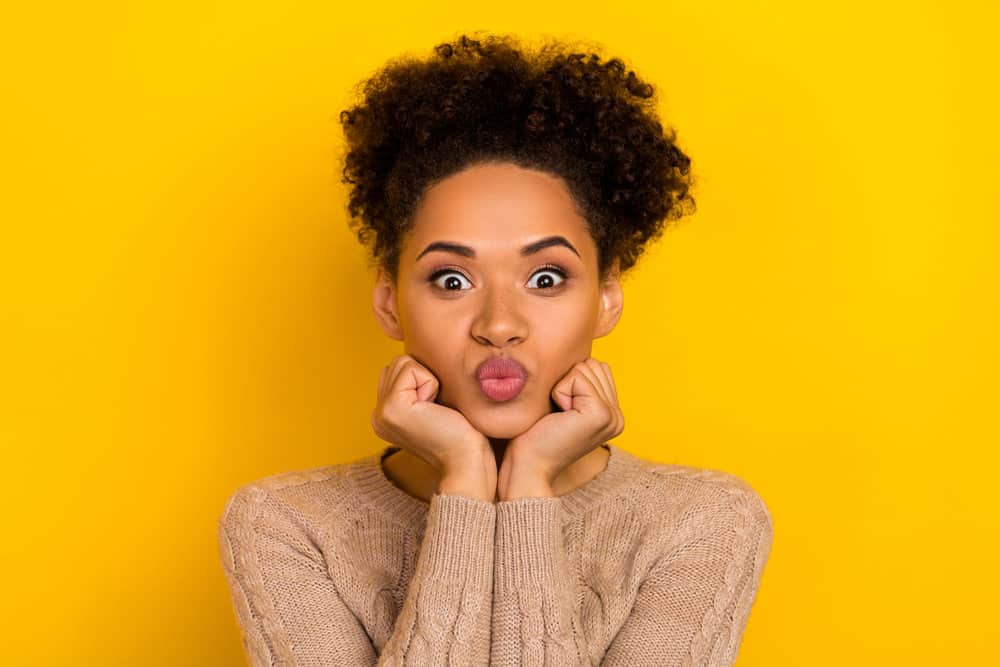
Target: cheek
[[563, 345], [564, 332], [434, 339], [437, 343]]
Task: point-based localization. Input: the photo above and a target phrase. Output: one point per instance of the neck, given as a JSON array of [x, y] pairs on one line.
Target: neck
[[417, 478], [499, 446]]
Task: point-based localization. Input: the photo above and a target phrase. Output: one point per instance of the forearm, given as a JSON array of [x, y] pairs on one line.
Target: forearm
[[534, 619], [445, 617]]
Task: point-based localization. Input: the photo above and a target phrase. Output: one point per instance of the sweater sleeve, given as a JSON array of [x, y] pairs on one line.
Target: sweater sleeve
[[534, 611], [693, 607], [290, 611]]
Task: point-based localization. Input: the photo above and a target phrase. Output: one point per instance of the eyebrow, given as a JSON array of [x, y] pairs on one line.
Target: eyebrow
[[530, 249]]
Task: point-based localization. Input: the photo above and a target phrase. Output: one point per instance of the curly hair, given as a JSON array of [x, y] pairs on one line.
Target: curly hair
[[490, 100]]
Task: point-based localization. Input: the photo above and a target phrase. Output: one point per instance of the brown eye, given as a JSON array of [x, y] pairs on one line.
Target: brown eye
[[547, 281], [452, 280]]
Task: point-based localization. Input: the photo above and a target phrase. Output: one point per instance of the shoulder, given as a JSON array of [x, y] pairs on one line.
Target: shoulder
[[283, 516], [295, 495], [702, 500]]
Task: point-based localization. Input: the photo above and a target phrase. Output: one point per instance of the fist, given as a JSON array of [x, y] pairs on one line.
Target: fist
[[406, 415]]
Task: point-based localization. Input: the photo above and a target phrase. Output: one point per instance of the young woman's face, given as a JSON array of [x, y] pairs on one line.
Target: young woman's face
[[485, 291]]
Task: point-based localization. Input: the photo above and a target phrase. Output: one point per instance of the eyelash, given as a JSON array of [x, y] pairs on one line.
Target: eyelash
[[545, 267]]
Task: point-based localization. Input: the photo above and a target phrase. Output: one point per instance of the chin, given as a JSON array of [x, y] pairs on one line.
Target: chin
[[504, 421]]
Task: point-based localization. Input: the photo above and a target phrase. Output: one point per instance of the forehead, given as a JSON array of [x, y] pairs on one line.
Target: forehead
[[499, 208]]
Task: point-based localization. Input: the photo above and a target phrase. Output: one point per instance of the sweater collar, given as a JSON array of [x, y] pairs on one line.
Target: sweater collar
[[379, 491]]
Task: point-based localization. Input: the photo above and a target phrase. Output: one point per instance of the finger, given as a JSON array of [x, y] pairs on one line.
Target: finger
[[395, 368], [620, 426], [381, 381], [406, 377], [606, 369], [587, 369], [388, 372], [593, 369], [611, 381], [601, 377]]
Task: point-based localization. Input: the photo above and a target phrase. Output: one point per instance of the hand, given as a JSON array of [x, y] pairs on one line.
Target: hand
[[590, 416], [406, 415]]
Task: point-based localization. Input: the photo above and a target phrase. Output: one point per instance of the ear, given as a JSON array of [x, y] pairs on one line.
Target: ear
[[384, 305], [611, 302]]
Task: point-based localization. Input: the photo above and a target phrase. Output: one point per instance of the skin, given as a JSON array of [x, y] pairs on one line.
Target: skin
[[548, 439]]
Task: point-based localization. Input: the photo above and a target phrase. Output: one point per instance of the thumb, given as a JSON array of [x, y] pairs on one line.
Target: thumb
[[573, 391]]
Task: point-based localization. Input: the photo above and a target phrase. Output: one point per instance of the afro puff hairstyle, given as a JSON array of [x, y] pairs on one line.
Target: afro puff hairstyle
[[489, 100]]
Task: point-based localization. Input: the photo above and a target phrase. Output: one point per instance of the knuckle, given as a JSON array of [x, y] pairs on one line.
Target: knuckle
[[388, 415], [377, 426], [385, 414], [604, 417]]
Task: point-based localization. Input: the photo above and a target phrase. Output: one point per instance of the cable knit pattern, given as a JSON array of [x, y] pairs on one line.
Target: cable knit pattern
[[647, 564]]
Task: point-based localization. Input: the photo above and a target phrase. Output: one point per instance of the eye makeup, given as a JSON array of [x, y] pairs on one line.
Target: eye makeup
[[445, 270]]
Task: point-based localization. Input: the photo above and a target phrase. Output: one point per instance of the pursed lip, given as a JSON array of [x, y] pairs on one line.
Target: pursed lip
[[500, 367]]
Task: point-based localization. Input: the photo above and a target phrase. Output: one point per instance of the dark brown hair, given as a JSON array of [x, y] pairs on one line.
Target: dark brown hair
[[569, 114]]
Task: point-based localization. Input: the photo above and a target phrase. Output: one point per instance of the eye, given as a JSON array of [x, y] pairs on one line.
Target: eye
[[452, 280], [546, 281]]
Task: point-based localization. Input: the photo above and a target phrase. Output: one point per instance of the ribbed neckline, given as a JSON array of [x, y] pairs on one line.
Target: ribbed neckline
[[371, 481]]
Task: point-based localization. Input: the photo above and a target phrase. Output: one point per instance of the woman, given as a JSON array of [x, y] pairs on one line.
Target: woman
[[503, 194]]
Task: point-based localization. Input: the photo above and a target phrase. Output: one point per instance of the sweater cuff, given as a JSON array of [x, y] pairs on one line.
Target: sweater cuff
[[458, 541], [529, 548]]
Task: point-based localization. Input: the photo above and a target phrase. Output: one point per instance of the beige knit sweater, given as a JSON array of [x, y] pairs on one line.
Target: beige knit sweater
[[647, 564]]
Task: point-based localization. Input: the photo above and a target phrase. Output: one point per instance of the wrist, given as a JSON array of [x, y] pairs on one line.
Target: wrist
[[522, 480], [460, 486]]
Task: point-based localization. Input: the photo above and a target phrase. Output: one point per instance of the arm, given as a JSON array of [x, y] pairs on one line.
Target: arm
[[535, 615], [290, 612], [534, 609], [693, 607]]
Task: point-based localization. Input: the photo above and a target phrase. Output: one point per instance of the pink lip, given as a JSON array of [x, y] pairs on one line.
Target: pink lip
[[501, 378]]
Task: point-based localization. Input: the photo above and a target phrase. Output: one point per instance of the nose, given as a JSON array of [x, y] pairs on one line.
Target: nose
[[498, 322]]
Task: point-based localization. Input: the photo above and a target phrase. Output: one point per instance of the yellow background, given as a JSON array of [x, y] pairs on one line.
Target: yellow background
[[185, 310]]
